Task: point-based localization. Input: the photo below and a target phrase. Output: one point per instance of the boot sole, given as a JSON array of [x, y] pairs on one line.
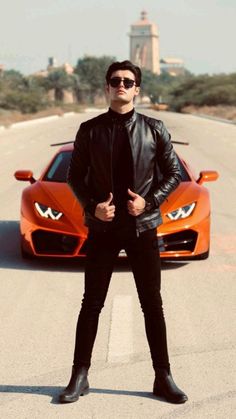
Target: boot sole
[[85, 392], [74, 399], [180, 401]]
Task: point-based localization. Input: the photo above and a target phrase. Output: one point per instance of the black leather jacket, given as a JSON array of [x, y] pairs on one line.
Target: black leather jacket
[[155, 166]]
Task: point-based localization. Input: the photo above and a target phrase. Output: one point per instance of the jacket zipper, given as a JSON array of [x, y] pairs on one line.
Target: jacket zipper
[[111, 150], [134, 174]]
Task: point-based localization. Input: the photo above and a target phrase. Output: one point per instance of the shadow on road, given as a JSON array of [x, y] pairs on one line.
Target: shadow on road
[[54, 391], [10, 256]]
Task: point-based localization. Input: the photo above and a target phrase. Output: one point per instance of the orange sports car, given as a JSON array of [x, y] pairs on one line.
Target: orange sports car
[[52, 225]]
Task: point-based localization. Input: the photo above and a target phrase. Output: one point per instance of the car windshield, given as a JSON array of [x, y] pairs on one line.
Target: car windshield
[[57, 171], [184, 174]]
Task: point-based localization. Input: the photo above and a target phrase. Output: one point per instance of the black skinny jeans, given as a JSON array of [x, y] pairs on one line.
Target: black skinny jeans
[[143, 255]]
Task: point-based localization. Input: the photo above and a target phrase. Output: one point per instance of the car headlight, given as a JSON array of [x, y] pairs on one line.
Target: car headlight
[[47, 212], [182, 212]]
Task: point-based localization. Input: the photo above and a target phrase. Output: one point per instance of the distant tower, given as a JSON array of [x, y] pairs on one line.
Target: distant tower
[[144, 44]]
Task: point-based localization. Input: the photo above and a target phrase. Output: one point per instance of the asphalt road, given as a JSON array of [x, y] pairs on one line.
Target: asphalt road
[[39, 301]]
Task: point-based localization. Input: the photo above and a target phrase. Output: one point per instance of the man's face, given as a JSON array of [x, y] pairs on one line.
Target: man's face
[[120, 93]]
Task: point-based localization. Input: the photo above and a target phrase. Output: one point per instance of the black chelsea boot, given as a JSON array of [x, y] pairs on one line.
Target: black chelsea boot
[[164, 386], [78, 385]]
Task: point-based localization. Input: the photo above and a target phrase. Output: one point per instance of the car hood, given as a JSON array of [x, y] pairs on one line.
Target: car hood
[[62, 198], [185, 193]]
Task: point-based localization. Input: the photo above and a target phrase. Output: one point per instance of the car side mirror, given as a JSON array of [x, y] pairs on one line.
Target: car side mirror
[[24, 175], [207, 176]]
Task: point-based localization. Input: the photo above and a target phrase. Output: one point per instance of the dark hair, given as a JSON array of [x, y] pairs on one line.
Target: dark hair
[[124, 65]]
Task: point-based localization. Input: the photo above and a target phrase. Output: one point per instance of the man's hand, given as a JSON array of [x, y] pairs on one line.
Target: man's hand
[[104, 211], [136, 205]]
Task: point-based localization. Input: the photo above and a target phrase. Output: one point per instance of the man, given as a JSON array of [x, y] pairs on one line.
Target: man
[[123, 167]]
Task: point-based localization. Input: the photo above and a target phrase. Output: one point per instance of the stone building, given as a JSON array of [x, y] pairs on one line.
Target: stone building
[[66, 96], [144, 49], [173, 66], [144, 44]]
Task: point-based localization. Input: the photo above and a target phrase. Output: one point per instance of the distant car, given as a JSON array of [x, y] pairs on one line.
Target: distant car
[[51, 223]]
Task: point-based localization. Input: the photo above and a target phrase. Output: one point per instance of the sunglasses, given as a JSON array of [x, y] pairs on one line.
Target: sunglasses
[[115, 82]]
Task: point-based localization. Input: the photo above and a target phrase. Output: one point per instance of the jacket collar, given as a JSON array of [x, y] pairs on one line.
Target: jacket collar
[[122, 119]]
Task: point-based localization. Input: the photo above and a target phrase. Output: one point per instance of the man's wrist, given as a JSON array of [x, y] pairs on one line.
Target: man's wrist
[[148, 206], [91, 207]]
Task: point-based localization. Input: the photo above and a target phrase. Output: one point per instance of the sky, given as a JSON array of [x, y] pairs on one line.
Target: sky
[[201, 32]]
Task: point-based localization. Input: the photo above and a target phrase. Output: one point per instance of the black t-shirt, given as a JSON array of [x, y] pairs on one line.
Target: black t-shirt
[[122, 167]]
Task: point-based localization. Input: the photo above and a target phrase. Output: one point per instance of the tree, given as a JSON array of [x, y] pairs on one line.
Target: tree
[[13, 79], [91, 71], [16, 93], [28, 101], [158, 87], [58, 80], [205, 90]]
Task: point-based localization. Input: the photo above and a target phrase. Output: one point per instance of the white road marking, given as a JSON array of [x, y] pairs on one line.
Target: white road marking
[[34, 121], [65, 115], [120, 345]]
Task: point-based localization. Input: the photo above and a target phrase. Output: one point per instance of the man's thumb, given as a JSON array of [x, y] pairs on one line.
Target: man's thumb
[[132, 194], [109, 199]]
